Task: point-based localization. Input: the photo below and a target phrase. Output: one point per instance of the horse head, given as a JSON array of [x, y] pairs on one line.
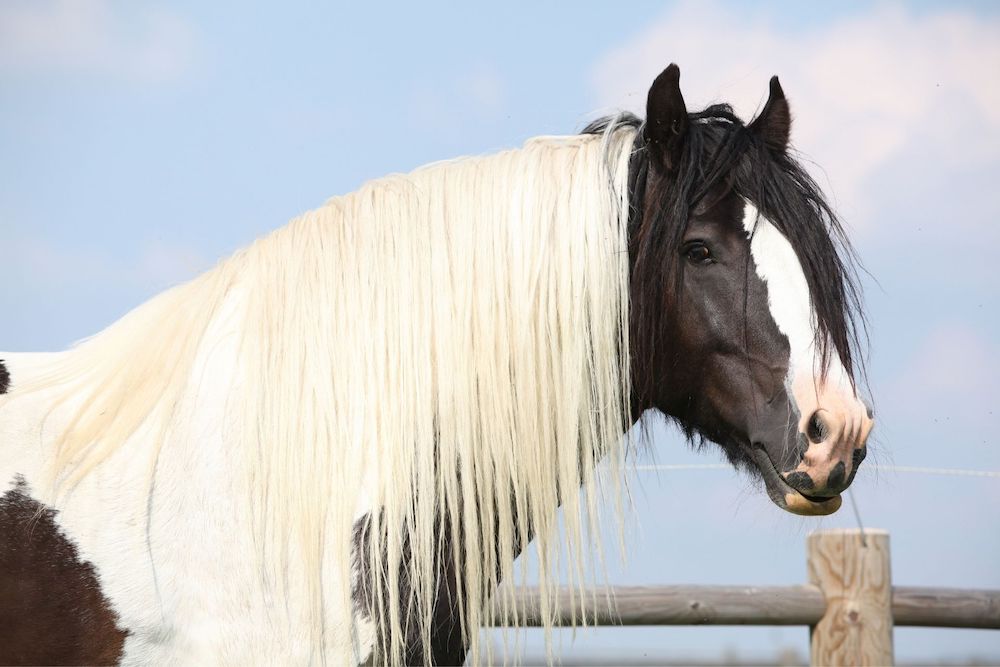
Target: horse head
[[743, 303]]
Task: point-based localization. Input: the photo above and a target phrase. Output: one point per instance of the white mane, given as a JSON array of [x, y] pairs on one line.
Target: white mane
[[460, 333]]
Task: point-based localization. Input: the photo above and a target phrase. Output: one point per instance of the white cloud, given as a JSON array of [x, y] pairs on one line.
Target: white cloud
[[485, 88], [40, 262], [131, 42], [164, 265], [956, 369], [476, 92], [864, 90]]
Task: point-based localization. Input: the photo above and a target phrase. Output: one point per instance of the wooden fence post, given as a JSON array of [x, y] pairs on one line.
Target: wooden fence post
[[852, 570]]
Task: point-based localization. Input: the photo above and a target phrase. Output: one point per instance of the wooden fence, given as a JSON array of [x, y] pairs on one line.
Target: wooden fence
[[850, 604]]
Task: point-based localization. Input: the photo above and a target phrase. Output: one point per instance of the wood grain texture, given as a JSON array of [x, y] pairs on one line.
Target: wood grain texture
[[760, 605], [854, 574], [682, 605], [946, 607]]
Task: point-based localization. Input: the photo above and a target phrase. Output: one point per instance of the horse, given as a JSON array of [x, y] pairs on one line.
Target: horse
[[332, 446]]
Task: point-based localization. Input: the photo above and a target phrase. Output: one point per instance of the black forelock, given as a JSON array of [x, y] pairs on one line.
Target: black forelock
[[785, 194], [720, 151]]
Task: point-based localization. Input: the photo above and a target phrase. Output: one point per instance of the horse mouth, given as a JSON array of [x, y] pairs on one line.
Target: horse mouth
[[786, 497]]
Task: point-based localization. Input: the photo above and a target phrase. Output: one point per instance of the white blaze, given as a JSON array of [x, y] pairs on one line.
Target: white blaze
[[787, 290], [845, 422], [791, 307]]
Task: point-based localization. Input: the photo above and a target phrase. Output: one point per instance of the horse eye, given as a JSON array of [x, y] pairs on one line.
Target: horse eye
[[698, 253]]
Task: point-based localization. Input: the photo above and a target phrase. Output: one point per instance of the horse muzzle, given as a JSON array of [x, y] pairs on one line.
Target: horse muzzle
[[831, 444]]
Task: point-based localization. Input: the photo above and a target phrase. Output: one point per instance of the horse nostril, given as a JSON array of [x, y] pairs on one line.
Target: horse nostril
[[816, 429], [858, 456]]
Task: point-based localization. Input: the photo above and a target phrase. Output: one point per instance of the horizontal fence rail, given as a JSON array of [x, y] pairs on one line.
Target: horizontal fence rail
[[849, 604], [755, 605], [946, 607]]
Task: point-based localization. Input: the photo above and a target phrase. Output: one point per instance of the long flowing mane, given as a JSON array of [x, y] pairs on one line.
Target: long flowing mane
[[459, 335]]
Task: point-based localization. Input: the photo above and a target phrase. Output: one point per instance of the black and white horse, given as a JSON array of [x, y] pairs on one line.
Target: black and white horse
[[332, 446]]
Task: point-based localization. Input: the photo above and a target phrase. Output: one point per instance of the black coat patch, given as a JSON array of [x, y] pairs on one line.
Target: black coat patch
[[4, 378], [52, 610], [447, 646]]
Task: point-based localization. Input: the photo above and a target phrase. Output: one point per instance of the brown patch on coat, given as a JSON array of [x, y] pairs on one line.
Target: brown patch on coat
[[52, 610], [447, 645]]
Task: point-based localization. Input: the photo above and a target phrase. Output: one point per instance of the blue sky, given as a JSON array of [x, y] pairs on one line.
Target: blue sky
[[141, 142]]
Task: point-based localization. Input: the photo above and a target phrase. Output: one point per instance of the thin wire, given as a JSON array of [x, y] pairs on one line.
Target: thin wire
[[684, 466], [857, 515], [885, 468], [940, 471]]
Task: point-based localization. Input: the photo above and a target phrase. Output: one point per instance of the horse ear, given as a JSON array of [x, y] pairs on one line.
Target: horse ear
[[666, 118], [774, 123]]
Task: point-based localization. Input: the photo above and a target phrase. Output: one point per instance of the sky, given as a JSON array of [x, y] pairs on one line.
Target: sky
[[140, 142]]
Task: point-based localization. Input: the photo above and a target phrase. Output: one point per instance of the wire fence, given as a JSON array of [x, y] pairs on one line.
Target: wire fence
[[919, 470]]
